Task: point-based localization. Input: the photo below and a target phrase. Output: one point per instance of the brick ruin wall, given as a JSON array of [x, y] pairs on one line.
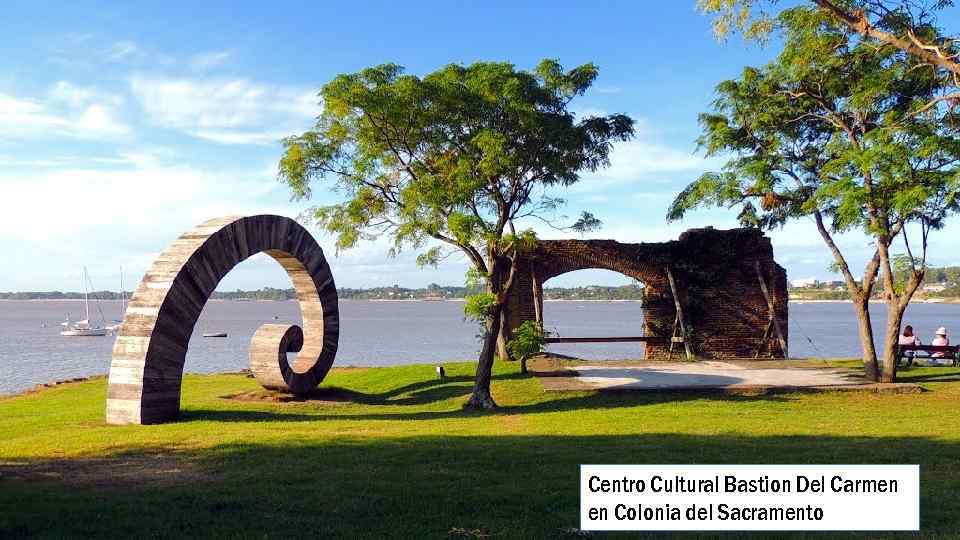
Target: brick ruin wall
[[716, 276]]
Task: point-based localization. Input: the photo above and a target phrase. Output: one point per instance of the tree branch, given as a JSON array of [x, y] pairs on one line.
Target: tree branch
[[837, 255], [857, 21], [472, 253]]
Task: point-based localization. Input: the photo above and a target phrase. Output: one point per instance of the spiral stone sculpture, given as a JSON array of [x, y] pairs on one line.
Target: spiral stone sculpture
[[147, 366]]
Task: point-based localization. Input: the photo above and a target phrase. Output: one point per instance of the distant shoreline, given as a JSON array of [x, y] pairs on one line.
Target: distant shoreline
[[877, 301], [929, 301]]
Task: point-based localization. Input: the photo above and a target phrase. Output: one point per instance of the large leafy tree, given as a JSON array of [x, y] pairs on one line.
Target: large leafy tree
[[454, 160], [837, 130]]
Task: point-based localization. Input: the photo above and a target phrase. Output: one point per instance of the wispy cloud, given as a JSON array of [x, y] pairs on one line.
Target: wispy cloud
[[76, 96], [205, 61], [228, 111], [123, 50], [70, 111], [644, 159], [115, 215], [125, 214], [241, 137], [607, 89]]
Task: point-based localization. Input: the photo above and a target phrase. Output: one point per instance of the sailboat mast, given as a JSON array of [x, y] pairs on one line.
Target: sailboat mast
[[86, 299]]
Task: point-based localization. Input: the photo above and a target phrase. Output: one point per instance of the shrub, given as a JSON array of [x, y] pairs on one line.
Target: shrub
[[528, 340]]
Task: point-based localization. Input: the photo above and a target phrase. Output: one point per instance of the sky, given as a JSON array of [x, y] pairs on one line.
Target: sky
[[121, 126]]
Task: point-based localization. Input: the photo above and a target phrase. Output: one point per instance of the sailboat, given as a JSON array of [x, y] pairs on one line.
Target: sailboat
[[83, 327], [123, 307]]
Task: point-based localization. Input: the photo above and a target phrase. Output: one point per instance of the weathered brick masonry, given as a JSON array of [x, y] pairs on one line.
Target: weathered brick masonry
[[716, 277]]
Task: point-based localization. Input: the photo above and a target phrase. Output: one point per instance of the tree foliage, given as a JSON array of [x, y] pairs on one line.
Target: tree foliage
[[836, 129], [451, 161], [908, 25], [453, 156]]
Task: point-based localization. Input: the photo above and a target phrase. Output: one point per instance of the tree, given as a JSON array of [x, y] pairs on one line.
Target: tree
[[451, 162], [836, 130], [906, 25]]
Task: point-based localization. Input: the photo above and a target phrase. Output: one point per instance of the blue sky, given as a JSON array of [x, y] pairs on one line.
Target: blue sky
[[123, 125]]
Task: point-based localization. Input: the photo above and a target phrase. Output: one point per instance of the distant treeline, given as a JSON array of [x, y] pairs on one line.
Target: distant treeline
[[431, 292], [57, 295], [938, 282]]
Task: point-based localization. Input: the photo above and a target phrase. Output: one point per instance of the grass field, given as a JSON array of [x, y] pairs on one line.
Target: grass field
[[395, 456]]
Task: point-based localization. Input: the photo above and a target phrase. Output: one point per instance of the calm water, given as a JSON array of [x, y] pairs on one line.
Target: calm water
[[383, 333]]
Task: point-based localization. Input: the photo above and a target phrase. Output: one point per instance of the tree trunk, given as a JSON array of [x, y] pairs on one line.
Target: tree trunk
[[890, 340], [859, 294], [862, 307], [481, 398], [503, 336]]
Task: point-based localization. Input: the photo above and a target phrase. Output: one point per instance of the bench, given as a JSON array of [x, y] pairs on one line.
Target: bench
[[597, 339], [950, 352], [618, 339]]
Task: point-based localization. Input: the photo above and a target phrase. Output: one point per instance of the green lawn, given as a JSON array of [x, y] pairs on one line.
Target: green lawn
[[399, 458]]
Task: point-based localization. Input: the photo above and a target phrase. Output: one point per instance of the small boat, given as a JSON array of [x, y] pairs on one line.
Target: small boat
[[214, 334], [84, 328], [81, 328], [80, 331]]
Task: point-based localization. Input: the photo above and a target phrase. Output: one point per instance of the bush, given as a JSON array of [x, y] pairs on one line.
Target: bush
[[528, 340]]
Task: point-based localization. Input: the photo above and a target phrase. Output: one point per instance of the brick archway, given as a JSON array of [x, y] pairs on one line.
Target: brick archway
[[717, 282]]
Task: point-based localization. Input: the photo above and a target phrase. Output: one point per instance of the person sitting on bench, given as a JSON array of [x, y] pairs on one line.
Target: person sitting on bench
[[941, 339], [909, 338]]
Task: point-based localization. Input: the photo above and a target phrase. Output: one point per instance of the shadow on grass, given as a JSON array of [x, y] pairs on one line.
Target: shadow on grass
[[416, 487], [421, 392], [588, 400], [952, 375]]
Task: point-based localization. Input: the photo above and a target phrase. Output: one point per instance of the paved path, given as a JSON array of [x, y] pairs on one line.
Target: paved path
[[737, 376], [708, 375]]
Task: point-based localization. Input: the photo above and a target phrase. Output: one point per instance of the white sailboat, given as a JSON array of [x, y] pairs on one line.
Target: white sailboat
[[83, 327]]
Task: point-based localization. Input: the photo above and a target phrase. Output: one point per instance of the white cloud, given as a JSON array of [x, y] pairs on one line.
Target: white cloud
[[72, 95], [650, 196], [229, 111], [123, 213], [75, 96], [123, 50], [73, 200], [138, 193], [142, 157], [201, 62], [11, 161], [608, 89], [240, 137], [127, 212], [644, 158], [80, 117]]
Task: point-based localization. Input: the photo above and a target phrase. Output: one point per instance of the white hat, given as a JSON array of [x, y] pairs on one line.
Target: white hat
[[941, 331]]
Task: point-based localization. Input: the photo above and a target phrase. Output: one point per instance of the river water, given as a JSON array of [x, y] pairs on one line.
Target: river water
[[387, 333]]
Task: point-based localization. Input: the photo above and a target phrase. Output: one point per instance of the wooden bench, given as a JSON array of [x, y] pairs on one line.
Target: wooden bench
[[950, 352], [598, 339], [604, 339]]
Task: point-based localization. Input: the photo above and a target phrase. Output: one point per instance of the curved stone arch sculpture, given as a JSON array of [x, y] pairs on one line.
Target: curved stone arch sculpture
[[151, 346]]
